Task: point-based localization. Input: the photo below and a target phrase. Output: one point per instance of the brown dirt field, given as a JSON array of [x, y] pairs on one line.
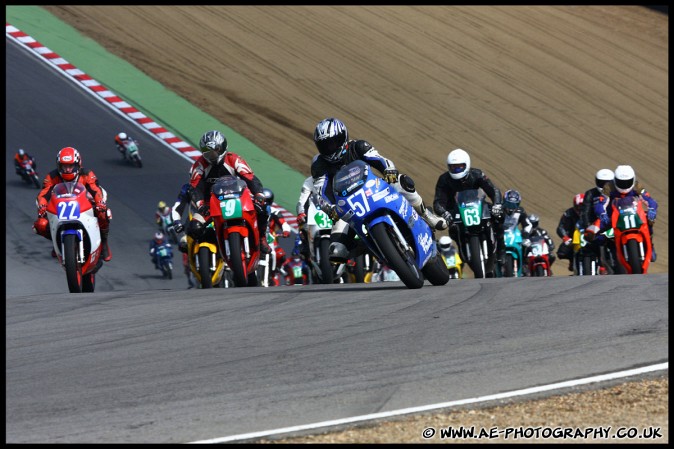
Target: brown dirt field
[[540, 96]]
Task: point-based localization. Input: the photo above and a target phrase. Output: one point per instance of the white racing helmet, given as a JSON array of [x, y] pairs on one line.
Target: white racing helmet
[[458, 163], [624, 178]]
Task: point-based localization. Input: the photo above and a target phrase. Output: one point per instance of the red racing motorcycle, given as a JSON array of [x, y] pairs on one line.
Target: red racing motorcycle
[[75, 234], [632, 239], [235, 221]]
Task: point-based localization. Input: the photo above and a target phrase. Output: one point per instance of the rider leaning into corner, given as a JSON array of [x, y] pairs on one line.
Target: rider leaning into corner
[[214, 162], [69, 168], [335, 151], [459, 177]]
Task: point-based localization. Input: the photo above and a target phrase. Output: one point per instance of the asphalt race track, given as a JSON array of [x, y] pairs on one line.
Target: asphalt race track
[[143, 360]]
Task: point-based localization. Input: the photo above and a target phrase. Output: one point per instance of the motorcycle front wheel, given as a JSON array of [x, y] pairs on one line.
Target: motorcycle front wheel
[[400, 261], [236, 259], [73, 269], [204, 256], [634, 256]]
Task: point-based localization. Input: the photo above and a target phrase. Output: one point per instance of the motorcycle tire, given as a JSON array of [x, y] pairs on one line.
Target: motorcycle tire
[[475, 261], [327, 275], [73, 269], [634, 256], [540, 271], [204, 256], [399, 260], [88, 283], [590, 265], [359, 269], [436, 271], [509, 266], [236, 260]]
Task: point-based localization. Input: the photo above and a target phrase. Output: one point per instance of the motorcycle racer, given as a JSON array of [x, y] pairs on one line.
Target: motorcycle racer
[[217, 161], [625, 184], [335, 151], [157, 242], [276, 221], [69, 168], [537, 231], [119, 142], [20, 157], [461, 176], [567, 225], [587, 216]]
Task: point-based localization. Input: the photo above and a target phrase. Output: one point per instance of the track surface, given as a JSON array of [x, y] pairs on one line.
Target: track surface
[[142, 361]]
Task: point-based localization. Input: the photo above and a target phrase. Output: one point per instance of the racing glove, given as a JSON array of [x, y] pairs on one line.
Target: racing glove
[[42, 211], [566, 240], [391, 175], [302, 219], [259, 202], [651, 214], [497, 210], [178, 226]]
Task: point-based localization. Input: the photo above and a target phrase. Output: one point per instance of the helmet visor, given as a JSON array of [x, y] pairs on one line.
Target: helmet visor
[[330, 148], [211, 156], [510, 205], [69, 168], [624, 183], [457, 168]]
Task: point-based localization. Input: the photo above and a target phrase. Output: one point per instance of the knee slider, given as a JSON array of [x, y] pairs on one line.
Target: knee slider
[[195, 229], [407, 183]]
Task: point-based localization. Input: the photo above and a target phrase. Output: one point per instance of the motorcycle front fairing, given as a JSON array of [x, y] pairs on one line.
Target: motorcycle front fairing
[[363, 200], [70, 211]]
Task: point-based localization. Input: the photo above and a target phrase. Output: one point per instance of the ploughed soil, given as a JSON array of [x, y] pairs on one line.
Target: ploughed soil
[[540, 96]]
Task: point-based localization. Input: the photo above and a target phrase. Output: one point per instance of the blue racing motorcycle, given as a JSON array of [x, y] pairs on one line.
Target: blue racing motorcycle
[[388, 225]]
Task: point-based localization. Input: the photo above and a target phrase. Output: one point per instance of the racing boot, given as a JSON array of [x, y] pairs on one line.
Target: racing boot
[[410, 193], [264, 246], [106, 254], [338, 252]]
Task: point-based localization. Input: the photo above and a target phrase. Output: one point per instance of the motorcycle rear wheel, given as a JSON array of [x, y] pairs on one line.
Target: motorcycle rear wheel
[[73, 269], [436, 271], [88, 282], [401, 263]]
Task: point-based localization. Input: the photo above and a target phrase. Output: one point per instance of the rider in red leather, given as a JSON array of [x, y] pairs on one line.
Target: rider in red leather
[[214, 162], [69, 168]]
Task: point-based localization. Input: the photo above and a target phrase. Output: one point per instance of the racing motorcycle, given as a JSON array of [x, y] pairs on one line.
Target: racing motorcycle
[[632, 238], [297, 271], [476, 239], [165, 257], [75, 235], [204, 259], [538, 257], [453, 261], [512, 265], [585, 257], [319, 227], [28, 173], [131, 153], [267, 269], [388, 225], [235, 222]]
